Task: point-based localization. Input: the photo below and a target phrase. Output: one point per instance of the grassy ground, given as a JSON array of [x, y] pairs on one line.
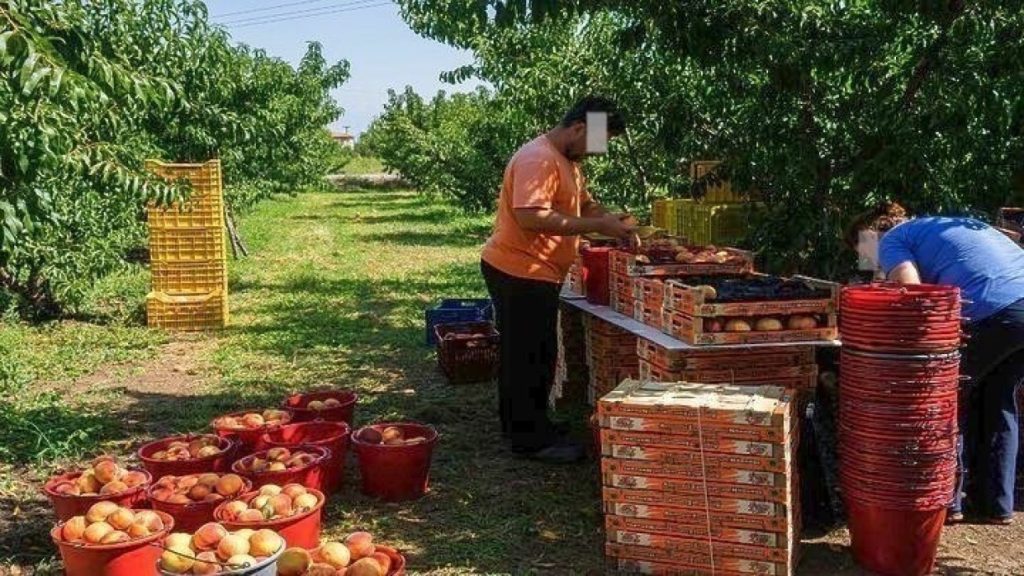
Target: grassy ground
[[333, 296]]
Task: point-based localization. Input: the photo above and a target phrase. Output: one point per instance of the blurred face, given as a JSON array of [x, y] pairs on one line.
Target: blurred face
[[867, 251], [590, 137]]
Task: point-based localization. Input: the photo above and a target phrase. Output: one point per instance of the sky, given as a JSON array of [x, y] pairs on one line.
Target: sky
[[381, 49]]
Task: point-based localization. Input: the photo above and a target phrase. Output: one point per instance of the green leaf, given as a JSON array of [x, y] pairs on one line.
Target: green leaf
[[35, 79]]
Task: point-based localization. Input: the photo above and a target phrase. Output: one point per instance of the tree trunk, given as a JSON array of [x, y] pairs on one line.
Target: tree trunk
[[36, 300]]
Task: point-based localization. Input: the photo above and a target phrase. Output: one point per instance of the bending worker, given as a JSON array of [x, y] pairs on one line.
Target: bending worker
[[988, 268], [543, 207]]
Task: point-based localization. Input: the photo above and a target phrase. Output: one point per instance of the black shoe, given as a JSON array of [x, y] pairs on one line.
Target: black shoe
[[564, 452]]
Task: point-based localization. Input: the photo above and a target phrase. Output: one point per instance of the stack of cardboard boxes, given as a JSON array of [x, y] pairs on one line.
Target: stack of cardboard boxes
[[611, 356]]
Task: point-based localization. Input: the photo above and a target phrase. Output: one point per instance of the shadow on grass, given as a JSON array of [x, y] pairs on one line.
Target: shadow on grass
[[439, 240]]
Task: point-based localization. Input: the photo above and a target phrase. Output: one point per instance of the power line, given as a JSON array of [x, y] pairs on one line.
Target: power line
[[335, 11], [290, 13], [267, 8]]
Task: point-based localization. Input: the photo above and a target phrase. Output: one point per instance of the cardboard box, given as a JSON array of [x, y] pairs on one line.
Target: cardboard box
[[710, 440], [718, 519], [660, 489], [690, 545], [677, 507], [624, 566], [690, 329], [623, 262], [673, 461], [710, 359], [720, 564], [797, 377], [697, 529], [679, 296]]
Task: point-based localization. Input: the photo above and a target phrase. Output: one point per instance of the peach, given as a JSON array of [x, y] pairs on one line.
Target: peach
[[305, 502], [229, 485], [227, 422], [162, 494], [88, 484], [177, 559], [95, 532], [384, 560], [270, 490], [121, 519], [416, 440], [206, 563], [293, 562], [179, 499], [265, 543], [278, 454], [258, 465], [232, 510], [241, 561], [365, 567], [320, 569], [244, 533], [315, 405], [208, 536], [99, 511], [299, 460], [133, 479], [67, 488], [186, 482], [271, 415], [159, 455], [282, 504], [394, 442], [115, 487], [115, 537], [371, 436], [199, 492], [335, 553], [198, 444], [178, 539], [106, 471], [213, 497], [209, 480], [332, 403], [260, 501], [232, 545], [151, 520], [360, 544], [207, 451], [251, 516], [294, 490], [392, 432], [277, 467], [138, 531], [73, 529], [253, 421]]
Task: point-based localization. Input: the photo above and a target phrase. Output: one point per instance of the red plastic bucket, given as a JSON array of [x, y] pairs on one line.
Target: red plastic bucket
[[399, 472], [894, 542], [331, 435], [296, 404], [125, 559], [249, 440], [189, 517], [397, 560], [215, 463], [301, 530], [65, 505], [310, 475], [596, 267]]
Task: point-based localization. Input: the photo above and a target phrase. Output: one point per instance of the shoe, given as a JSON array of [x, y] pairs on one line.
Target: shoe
[[1003, 521], [954, 518], [564, 452]]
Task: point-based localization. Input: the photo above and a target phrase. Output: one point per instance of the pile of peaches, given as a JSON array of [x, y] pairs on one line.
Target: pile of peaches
[[319, 405], [356, 556], [213, 549], [201, 447], [207, 487], [252, 420], [764, 324], [390, 436], [276, 460], [272, 502], [104, 477], [108, 523]]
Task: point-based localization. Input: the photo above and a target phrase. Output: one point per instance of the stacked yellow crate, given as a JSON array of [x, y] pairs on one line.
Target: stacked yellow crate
[[721, 216], [187, 247]]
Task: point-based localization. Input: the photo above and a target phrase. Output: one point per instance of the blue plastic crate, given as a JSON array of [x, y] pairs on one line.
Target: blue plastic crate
[[452, 310]]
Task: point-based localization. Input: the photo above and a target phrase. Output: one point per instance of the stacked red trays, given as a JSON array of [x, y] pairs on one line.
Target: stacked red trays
[[899, 383]]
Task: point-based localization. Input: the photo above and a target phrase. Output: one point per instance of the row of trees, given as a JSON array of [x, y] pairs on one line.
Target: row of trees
[[825, 106], [90, 89]]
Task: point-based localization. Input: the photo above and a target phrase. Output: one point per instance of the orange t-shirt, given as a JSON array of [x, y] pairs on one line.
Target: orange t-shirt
[[538, 176]]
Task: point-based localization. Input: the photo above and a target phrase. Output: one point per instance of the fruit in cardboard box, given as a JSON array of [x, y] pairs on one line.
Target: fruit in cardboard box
[[737, 325], [801, 322], [767, 325]]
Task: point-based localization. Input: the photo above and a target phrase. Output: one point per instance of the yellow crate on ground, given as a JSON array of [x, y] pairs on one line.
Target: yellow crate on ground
[[187, 245], [187, 312], [678, 213], [201, 277], [720, 224], [204, 207]]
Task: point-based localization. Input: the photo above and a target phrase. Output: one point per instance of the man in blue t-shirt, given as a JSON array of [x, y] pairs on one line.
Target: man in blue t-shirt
[[988, 268]]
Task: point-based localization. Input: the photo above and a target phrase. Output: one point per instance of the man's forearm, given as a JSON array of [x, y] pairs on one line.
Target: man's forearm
[[593, 210], [555, 223]]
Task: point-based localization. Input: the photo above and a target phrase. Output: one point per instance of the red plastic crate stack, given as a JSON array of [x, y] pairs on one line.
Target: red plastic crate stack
[[611, 357], [700, 478]]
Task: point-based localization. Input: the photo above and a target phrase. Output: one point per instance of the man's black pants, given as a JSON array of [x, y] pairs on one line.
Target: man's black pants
[[526, 314]]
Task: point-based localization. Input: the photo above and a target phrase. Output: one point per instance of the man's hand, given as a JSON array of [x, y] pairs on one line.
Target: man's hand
[[617, 225]]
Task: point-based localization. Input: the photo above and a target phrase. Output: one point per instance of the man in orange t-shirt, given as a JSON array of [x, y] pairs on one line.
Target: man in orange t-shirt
[[543, 208]]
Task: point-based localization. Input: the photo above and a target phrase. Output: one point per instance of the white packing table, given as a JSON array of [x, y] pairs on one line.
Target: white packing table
[[664, 340]]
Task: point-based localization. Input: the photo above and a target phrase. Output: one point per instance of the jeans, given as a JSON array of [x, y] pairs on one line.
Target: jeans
[[526, 314], [994, 361]]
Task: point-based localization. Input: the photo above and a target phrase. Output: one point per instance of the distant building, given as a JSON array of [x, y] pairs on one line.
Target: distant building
[[345, 139]]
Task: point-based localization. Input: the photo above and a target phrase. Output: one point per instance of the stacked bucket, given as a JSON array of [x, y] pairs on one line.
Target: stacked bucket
[[899, 381], [187, 247]]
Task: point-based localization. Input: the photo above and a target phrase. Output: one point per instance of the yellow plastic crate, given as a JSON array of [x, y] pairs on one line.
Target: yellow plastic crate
[[721, 193], [659, 214], [186, 245], [720, 224], [187, 312], [679, 212], [205, 206], [189, 277]]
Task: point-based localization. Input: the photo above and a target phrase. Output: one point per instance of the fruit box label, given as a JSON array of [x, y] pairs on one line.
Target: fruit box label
[[710, 440], [688, 545], [699, 516], [768, 406], [713, 565], [645, 568], [669, 426], [614, 523], [715, 473], [695, 460], [690, 505], [659, 488]]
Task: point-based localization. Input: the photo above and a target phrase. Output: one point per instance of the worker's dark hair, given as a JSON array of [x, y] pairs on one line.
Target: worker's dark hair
[[578, 113], [882, 218]]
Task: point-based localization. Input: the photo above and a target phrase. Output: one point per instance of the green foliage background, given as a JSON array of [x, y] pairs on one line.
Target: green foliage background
[[825, 107], [91, 88]]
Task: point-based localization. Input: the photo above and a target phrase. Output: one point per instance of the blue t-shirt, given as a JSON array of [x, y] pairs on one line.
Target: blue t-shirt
[[986, 265]]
